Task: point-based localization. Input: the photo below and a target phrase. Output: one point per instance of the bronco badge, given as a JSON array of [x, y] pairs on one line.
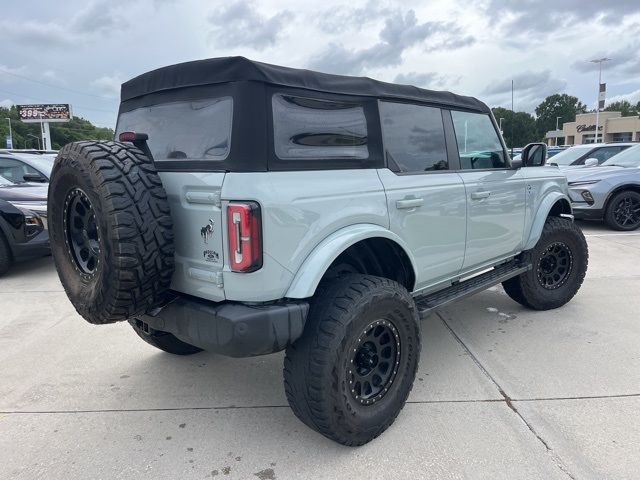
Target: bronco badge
[[207, 231]]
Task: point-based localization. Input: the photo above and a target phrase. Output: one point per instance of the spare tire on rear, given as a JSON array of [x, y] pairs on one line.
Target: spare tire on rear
[[111, 230]]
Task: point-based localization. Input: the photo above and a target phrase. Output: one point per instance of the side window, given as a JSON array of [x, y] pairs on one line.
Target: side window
[[307, 128], [604, 153], [479, 146], [14, 170], [413, 137]]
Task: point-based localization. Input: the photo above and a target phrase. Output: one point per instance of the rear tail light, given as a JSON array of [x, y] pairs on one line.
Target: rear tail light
[[244, 227]]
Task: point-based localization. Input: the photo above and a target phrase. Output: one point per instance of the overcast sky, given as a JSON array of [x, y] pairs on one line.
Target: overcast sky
[[79, 52]]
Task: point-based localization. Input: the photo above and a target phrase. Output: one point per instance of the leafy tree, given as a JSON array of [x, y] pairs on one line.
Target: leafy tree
[[518, 128], [557, 105], [623, 106], [61, 133]]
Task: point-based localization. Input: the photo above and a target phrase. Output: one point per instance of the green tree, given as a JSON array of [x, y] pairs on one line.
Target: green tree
[[518, 128], [25, 135], [623, 106], [557, 105]]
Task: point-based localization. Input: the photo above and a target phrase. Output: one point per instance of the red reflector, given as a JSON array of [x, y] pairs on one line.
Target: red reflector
[[244, 230], [132, 136]]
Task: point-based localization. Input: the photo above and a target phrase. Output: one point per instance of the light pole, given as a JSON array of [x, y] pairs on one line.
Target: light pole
[[10, 134], [37, 138], [599, 61], [557, 118]]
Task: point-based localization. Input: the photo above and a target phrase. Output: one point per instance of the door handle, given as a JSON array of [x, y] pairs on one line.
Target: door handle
[[480, 195], [409, 203]]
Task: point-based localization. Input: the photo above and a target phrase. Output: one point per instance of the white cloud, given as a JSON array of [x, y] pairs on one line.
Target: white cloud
[[631, 97], [6, 103], [108, 84]]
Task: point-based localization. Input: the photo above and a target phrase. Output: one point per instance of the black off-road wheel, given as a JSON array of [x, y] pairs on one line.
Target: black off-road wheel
[[110, 229], [350, 373], [164, 341], [6, 258], [559, 264], [623, 211]]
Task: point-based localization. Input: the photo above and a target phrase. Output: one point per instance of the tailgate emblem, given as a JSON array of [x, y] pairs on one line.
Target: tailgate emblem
[[207, 231]]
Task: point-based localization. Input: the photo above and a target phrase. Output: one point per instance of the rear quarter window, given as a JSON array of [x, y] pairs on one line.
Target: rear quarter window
[[194, 130], [307, 128]]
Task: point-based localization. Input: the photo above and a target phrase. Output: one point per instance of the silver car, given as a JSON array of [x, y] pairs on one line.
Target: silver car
[[609, 192]]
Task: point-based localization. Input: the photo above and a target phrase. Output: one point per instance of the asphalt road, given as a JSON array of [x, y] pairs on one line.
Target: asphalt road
[[502, 392]]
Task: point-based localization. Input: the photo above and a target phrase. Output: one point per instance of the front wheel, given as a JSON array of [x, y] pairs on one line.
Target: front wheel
[[350, 373], [623, 211], [5, 255], [559, 263]]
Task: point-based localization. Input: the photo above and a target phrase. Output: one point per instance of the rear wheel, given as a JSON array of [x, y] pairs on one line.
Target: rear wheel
[[350, 373], [163, 340], [623, 211], [559, 263]]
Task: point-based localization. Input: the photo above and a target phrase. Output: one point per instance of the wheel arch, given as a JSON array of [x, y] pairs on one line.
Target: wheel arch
[[555, 204], [635, 187], [378, 252]]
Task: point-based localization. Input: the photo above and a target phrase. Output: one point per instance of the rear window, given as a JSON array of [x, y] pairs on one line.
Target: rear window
[[194, 130], [306, 128]]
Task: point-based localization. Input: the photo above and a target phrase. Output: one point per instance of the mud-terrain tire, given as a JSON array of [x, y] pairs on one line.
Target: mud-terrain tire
[[559, 263], [110, 229], [623, 211], [164, 341], [372, 321], [6, 258]]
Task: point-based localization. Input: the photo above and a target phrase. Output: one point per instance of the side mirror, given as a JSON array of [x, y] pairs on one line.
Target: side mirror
[[591, 162], [516, 162], [34, 177], [534, 155]]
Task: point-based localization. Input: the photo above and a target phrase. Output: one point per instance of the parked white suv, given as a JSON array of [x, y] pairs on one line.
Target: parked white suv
[[249, 208]]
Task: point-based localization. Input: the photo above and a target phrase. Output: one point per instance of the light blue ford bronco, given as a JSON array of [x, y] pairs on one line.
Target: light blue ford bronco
[[247, 208]]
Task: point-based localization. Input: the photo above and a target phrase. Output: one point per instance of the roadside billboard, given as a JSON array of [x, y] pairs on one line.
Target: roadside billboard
[[44, 112]]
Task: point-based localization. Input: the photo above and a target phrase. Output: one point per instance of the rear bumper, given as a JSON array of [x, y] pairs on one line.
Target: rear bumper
[[228, 328]]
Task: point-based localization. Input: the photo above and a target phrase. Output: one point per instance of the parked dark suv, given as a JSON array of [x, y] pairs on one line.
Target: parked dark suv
[[23, 221]]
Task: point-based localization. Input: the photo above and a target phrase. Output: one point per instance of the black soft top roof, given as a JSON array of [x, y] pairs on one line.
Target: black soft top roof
[[235, 69]]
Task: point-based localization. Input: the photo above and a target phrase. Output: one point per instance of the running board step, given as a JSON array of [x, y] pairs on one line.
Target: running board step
[[429, 302]]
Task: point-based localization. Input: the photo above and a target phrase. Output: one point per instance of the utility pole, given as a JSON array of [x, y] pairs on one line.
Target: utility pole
[[557, 118], [10, 143], [599, 61], [37, 139]]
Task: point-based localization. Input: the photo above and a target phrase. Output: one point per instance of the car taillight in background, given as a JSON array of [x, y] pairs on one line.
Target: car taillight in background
[[244, 230]]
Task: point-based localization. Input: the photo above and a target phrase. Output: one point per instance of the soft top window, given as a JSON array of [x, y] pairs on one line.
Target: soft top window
[[307, 128], [194, 130]]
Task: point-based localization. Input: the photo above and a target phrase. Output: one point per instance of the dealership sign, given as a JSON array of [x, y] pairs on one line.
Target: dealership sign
[[45, 112], [587, 128]]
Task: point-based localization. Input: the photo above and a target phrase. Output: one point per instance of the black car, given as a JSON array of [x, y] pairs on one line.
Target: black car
[[23, 222]]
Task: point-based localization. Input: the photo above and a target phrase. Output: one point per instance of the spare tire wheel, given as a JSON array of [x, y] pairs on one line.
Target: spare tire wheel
[[111, 230]]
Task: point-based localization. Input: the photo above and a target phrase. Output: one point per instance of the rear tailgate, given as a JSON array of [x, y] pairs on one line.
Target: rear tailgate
[[194, 199]]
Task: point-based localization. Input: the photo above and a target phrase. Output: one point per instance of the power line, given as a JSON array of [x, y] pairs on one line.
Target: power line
[[47, 100], [55, 86]]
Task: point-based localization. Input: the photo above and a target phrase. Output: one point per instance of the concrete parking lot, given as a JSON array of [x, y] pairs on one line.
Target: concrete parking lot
[[502, 392]]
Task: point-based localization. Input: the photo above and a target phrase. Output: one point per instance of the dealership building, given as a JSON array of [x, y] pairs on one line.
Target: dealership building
[[613, 127]]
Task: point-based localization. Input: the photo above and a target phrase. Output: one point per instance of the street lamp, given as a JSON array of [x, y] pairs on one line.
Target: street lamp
[[37, 138], [599, 61], [557, 118], [10, 134]]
